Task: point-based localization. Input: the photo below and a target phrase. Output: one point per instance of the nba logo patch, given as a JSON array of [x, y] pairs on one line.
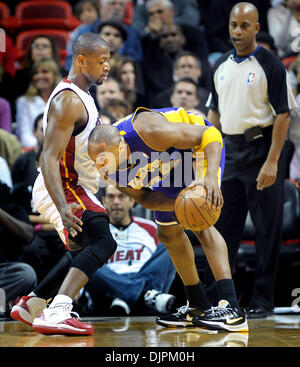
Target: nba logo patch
[[250, 78]]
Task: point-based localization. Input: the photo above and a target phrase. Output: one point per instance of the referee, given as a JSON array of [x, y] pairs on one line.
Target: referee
[[250, 103]]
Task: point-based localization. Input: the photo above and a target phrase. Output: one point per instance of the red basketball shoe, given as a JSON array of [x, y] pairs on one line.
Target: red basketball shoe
[[58, 320], [27, 308]]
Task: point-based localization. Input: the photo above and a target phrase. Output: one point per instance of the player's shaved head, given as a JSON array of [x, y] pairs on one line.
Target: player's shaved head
[[247, 9], [103, 138], [87, 43]]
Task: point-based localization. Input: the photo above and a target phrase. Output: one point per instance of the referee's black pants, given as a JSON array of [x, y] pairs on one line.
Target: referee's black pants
[[243, 163]]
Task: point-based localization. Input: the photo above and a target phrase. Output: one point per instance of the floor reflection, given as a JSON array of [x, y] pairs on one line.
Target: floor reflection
[[275, 331]]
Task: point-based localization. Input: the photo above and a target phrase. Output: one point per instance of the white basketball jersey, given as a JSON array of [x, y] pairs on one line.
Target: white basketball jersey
[[80, 177], [76, 165]]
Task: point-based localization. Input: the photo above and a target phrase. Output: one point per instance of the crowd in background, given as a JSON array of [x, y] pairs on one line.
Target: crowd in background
[[162, 54]]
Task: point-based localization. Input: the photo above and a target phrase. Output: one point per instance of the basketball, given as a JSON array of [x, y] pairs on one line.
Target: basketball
[[193, 211]]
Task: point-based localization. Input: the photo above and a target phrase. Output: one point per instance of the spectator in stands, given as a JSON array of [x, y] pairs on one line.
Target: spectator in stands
[[46, 248], [10, 147], [45, 77], [8, 58], [7, 71], [129, 74], [5, 173], [25, 167], [24, 170], [161, 52], [186, 65], [114, 33], [40, 47], [283, 21], [110, 89], [118, 108], [5, 115], [140, 269], [185, 94], [159, 56], [107, 118], [112, 9], [16, 230], [117, 9], [162, 12], [150, 15], [87, 11], [16, 277], [265, 40]]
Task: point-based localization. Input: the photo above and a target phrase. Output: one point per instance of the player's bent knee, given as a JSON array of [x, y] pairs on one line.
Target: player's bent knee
[[93, 256], [207, 236], [103, 248], [169, 234], [96, 241]]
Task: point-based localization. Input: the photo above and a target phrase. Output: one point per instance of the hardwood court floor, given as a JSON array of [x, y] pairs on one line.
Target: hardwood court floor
[[275, 331]]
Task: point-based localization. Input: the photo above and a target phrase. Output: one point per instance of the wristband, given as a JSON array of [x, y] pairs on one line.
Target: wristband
[[38, 227]]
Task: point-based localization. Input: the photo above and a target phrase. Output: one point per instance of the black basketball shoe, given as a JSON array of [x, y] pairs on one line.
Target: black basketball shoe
[[223, 317], [181, 318]]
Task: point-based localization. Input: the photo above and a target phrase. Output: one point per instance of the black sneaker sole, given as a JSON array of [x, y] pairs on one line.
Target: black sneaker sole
[[243, 327]]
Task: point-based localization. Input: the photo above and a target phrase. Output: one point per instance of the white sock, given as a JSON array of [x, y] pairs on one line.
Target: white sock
[[61, 298]]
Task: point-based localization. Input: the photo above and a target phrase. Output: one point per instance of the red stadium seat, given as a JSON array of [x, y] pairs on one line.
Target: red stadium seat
[[23, 39], [6, 20], [45, 14], [4, 13]]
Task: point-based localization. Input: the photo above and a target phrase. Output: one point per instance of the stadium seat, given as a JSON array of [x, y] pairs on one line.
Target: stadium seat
[[23, 39], [4, 13], [45, 14], [7, 21]]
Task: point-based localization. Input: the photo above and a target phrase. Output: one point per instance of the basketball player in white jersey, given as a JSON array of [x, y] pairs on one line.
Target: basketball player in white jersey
[[64, 190]]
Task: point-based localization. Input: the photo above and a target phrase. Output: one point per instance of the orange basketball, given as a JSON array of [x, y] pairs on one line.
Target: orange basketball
[[193, 211]]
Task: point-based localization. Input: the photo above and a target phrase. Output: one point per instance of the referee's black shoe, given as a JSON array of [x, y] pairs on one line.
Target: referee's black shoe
[[182, 317], [223, 317]]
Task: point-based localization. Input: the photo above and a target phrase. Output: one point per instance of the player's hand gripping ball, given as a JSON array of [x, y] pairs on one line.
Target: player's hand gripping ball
[[193, 211]]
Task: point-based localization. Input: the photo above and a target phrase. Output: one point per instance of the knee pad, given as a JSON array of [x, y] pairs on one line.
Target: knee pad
[[93, 256], [96, 241], [103, 248]]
